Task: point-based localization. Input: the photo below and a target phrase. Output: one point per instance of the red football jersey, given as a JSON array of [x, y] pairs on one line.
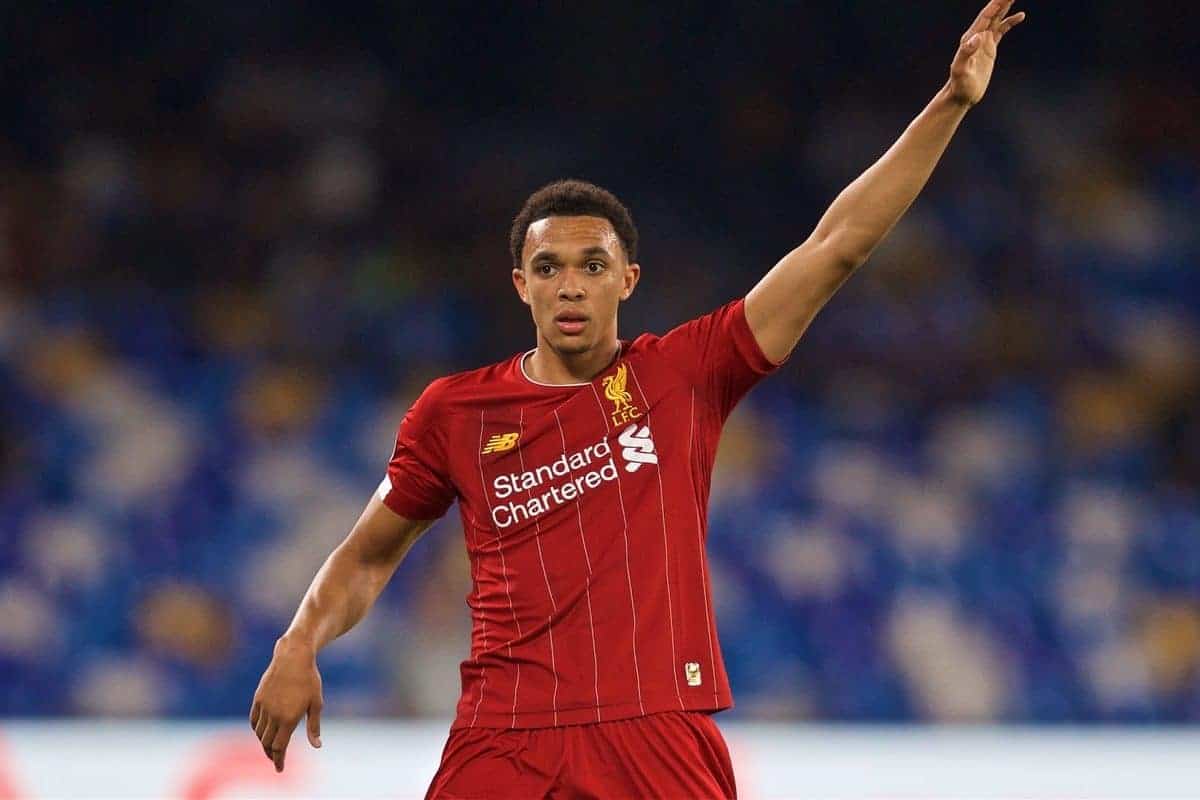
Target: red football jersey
[[584, 508]]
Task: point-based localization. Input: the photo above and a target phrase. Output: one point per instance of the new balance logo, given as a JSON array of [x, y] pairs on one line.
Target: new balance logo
[[500, 442], [637, 447]]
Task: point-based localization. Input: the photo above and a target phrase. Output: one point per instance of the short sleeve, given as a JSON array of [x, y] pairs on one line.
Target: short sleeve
[[719, 352], [417, 486]]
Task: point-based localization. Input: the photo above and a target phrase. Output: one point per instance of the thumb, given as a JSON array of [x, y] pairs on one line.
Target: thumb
[[314, 724]]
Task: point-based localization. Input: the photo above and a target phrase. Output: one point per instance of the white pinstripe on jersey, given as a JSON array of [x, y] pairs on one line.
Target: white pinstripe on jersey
[[637, 673], [712, 663], [482, 617], [503, 566], [546, 575], [587, 587], [662, 510]]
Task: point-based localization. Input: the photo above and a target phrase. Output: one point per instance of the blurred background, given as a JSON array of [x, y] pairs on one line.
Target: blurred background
[[234, 245]]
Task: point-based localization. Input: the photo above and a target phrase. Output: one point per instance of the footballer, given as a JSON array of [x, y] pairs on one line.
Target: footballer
[[581, 469]]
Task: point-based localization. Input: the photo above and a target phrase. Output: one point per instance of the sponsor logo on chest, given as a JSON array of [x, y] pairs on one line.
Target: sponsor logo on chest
[[521, 496], [637, 447]]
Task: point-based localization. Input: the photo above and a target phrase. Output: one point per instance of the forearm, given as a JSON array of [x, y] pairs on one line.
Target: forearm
[[351, 579], [781, 306], [867, 209], [340, 595]]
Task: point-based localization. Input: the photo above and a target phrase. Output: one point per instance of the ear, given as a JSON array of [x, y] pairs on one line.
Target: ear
[[633, 274], [518, 279]]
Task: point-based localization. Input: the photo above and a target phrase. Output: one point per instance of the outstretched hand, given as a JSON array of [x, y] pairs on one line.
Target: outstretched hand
[[971, 70]]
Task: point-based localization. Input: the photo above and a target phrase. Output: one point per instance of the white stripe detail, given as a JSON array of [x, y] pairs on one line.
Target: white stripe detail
[[712, 664], [546, 575], [475, 580], [637, 673], [385, 486], [587, 586], [662, 507], [503, 565]]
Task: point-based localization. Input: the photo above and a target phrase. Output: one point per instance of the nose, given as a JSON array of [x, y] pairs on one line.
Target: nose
[[570, 288]]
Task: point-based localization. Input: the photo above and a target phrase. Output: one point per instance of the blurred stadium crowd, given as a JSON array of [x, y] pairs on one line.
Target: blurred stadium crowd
[[231, 254]]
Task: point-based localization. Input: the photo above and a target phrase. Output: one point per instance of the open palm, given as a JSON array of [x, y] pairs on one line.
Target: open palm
[[971, 70]]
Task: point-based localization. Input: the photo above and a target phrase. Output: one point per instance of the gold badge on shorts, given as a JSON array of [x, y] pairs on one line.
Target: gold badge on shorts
[[692, 670]]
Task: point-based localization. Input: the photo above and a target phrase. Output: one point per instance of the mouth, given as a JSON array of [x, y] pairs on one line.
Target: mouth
[[571, 323]]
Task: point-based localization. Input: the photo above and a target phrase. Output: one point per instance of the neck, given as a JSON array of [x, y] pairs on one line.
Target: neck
[[547, 365]]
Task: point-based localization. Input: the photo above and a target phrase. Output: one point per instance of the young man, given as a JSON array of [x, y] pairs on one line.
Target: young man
[[582, 471]]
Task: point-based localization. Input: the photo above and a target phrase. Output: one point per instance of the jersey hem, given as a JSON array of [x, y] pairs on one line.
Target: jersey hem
[[748, 345], [411, 507], [584, 716]]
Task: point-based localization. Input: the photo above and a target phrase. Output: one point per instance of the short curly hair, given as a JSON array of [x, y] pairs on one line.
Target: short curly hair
[[573, 198]]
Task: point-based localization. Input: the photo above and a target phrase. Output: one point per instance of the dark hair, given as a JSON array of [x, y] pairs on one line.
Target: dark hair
[[572, 198]]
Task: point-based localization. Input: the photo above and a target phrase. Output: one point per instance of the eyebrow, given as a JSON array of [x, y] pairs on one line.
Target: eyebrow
[[551, 255]]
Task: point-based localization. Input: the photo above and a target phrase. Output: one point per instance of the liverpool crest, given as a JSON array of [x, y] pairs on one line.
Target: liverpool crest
[[615, 390]]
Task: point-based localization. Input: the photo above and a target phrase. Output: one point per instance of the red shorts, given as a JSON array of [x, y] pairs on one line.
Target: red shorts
[[674, 754]]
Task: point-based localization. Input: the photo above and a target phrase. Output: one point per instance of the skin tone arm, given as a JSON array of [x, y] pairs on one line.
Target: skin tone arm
[[780, 308], [342, 592]]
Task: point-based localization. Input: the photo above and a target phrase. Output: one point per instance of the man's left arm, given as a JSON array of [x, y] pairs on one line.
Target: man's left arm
[[784, 302]]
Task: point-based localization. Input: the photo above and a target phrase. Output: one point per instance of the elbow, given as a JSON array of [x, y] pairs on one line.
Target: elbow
[[849, 260], [843, 251]]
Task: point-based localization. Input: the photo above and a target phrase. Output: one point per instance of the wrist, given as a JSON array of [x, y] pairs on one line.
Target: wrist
[[296, 643], [948, 97]]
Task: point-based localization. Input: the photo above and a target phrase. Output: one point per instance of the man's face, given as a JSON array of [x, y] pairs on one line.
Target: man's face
[[573, 275]]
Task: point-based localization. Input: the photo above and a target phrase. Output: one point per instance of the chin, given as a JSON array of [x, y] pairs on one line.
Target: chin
[[571, 346]]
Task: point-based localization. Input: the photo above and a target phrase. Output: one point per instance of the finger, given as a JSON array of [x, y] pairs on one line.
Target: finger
[[986, 16], [279, 745], [260, 727], [314, 724], [1010, 23], [973, 44], [966, 51], [268, 735], [255, 712], [1000, 12]]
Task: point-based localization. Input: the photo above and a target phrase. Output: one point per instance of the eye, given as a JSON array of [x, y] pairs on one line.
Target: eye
[[595, 267], [544, 268]]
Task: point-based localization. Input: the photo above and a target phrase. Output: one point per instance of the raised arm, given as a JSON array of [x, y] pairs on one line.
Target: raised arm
[[340, 595], [780, 308]]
